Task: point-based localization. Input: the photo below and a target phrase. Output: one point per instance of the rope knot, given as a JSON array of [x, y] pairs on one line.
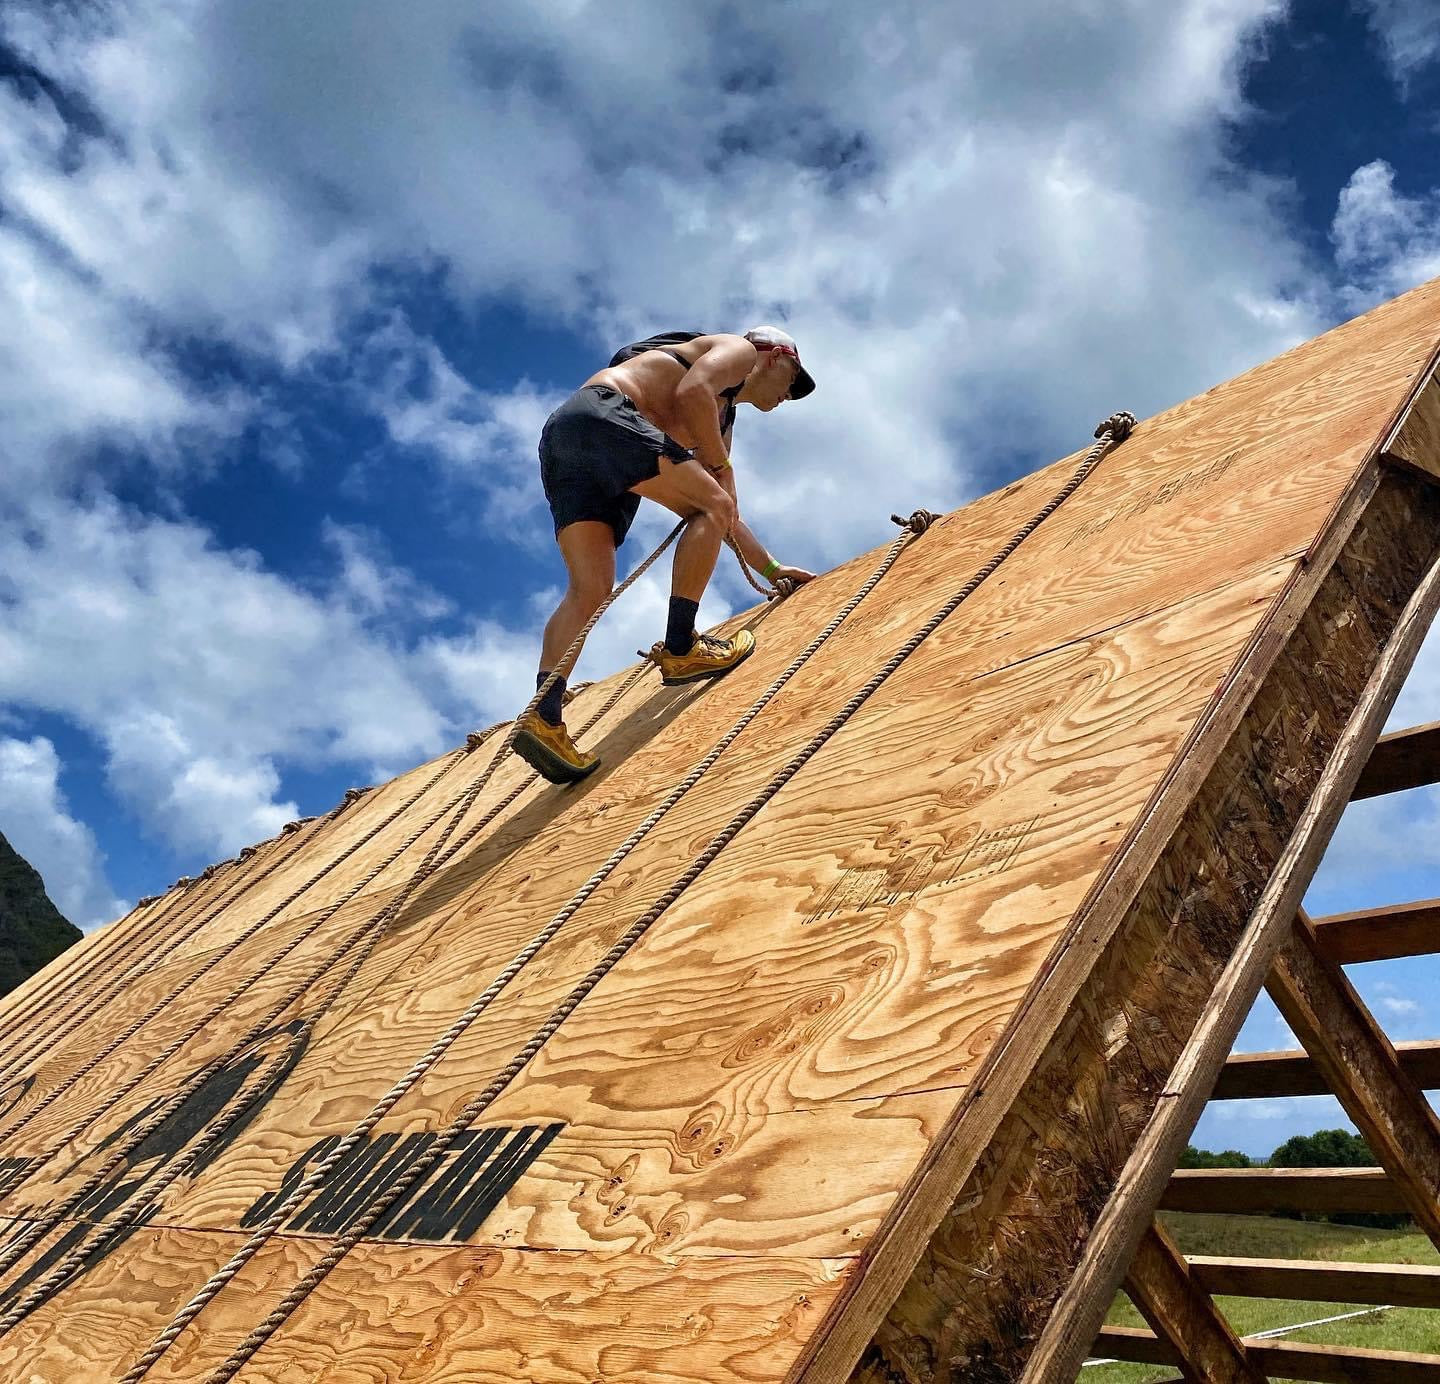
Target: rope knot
[[208, 871], [476, 738], [1118, 425], [917, 523], [295, 825], [148, 900], [352, 796], [184, 882], [245, 852]]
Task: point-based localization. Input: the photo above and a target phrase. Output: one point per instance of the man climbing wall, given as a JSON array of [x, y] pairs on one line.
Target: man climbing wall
[[657, 423]]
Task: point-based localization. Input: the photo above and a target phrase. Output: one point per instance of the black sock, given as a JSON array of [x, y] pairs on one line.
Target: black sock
[[551, 706], [680, 631]]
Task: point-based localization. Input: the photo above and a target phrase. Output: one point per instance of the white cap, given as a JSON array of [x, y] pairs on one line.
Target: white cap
[[777, 336]]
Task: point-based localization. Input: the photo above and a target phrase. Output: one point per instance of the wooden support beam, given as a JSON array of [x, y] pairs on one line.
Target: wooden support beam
[[1183, 1314], [1266, 1075], [1078, 1311], [1359, 1064], [1403, 759], [1394, 1285], [1381, 934], [1269, 1191], [1286, 1359]]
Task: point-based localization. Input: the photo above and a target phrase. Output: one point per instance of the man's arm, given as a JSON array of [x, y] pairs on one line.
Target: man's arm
[[751, 548], [722, 365]]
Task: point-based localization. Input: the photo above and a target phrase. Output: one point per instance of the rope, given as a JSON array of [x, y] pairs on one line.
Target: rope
[[368, 933], [162, 953], [1111, 431], [366, 936], [239, 940], [278, 1216]]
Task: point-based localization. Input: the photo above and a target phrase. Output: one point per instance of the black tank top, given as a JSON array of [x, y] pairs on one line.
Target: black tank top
[[663, 341]]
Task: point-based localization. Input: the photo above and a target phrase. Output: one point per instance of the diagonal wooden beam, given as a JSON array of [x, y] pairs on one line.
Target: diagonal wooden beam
[[1361, 1067], [1183, 1314]]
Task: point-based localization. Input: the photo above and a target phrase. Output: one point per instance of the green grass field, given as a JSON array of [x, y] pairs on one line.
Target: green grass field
[[1261, 1237]]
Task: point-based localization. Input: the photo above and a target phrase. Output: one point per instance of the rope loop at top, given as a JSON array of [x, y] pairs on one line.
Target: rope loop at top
[[1118, 425], [352, 796], [917, 523], [294, 826]]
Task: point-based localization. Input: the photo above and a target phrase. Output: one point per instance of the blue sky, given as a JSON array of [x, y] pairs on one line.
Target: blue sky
[[288, 291]]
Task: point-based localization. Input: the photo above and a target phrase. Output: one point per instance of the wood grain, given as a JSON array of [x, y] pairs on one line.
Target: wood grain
[[780, 1091]]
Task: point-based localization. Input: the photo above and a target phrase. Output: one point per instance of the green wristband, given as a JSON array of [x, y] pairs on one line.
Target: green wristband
[[770, 568]]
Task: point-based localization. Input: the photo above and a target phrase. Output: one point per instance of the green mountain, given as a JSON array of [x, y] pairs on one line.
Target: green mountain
[[32, 930]]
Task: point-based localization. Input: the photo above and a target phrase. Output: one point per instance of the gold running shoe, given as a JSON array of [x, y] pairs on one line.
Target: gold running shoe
[[709, 657], [551, 752]]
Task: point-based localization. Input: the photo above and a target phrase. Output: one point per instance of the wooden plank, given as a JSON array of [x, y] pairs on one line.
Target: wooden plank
[[1403, 759], [1381, 934], [1394, 1285], [1261, 1075], [1344, 1364], [843, 969], [1286, 1359], [1357, 1061], [1180, 1311], [1081, 1306], [1271, 1191]]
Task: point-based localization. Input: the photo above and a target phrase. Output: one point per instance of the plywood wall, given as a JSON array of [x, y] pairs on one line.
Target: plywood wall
[[684, 1183]]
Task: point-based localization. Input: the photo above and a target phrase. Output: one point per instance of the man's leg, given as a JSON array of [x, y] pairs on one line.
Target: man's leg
[[692, 492], [588, 548]]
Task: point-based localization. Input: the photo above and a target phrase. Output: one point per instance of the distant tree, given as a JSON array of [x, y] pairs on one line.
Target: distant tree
[[1326, 1148], [1334, 1148], [1204, 1158]]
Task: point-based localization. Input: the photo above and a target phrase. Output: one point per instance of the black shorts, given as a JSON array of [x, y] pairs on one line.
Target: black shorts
[[593, 448]]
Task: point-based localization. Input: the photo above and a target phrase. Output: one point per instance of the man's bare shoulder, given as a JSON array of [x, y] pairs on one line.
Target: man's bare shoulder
[[724, 352]]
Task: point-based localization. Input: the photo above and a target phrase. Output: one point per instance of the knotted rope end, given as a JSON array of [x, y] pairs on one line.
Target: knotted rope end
[[918, 522], [1119, 425]]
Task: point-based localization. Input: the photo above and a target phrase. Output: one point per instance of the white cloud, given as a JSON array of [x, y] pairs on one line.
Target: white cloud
[[1409, 33], [484, 439], [1384, 241], [35, 818], [983, 243], [1399, 1005], [198, 670]]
